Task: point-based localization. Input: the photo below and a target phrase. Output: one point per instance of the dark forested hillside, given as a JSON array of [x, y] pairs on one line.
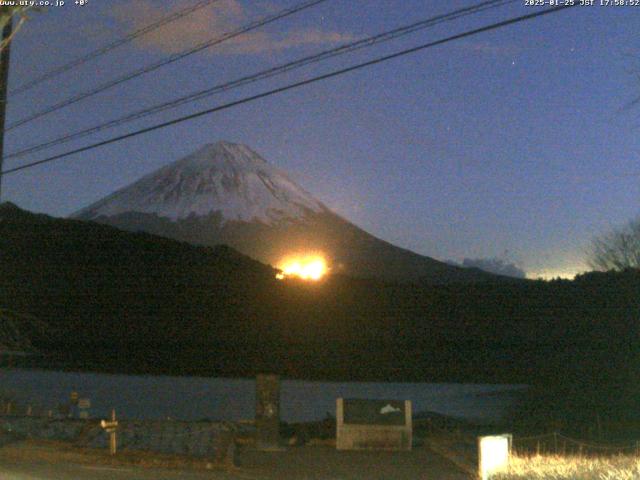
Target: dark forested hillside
[[119, 301]]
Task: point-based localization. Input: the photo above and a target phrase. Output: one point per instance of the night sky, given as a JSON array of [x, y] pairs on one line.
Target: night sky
[[516, 143]]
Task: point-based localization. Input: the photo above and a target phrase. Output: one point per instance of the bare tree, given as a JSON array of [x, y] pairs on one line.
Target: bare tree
[[617, 250], [19, 15]]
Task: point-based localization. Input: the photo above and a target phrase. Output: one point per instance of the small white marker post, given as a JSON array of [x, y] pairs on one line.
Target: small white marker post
[[493, 455], [111, 427]]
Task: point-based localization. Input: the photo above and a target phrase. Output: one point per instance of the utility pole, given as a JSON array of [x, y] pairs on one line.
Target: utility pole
[[4, 80]]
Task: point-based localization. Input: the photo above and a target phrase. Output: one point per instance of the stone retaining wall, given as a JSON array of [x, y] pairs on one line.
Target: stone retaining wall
[[214, 440]]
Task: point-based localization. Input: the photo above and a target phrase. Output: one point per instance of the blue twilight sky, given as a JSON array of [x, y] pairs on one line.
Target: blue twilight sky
[[513, 144]]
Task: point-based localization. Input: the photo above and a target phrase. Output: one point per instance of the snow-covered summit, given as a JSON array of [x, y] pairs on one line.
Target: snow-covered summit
[[221, 177]]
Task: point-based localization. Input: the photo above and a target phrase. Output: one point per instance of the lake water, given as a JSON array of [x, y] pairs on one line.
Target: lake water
[[195, 398]]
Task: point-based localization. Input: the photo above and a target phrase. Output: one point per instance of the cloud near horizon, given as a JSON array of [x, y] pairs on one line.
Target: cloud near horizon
[[493, 265], [214, 21]]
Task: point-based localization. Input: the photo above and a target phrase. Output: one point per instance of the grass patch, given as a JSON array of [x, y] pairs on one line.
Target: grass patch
[[556, 467]]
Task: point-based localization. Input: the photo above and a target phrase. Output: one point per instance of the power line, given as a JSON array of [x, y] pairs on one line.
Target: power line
[[291, 86], [107, 48], [268, 73], [172, 58]]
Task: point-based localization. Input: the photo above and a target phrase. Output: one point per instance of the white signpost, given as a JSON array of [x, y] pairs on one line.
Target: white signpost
[[493, 454]]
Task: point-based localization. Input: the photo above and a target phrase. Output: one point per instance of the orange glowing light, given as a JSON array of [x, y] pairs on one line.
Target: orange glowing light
[[311, 267]]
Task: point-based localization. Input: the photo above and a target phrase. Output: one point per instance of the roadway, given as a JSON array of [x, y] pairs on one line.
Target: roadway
[[57, 471]]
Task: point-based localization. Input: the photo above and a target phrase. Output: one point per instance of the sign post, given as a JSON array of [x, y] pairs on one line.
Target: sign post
[[268, 413], [111, 427], [84, 404], [493, 455]]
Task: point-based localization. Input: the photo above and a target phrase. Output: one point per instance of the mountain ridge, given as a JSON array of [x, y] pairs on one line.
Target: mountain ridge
[[225, 193], [222, 176]]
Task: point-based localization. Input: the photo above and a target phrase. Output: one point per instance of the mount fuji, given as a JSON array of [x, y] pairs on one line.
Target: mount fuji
[[225, 193]]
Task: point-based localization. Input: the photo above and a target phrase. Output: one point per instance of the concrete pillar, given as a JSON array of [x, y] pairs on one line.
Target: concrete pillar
[[268, 412]]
